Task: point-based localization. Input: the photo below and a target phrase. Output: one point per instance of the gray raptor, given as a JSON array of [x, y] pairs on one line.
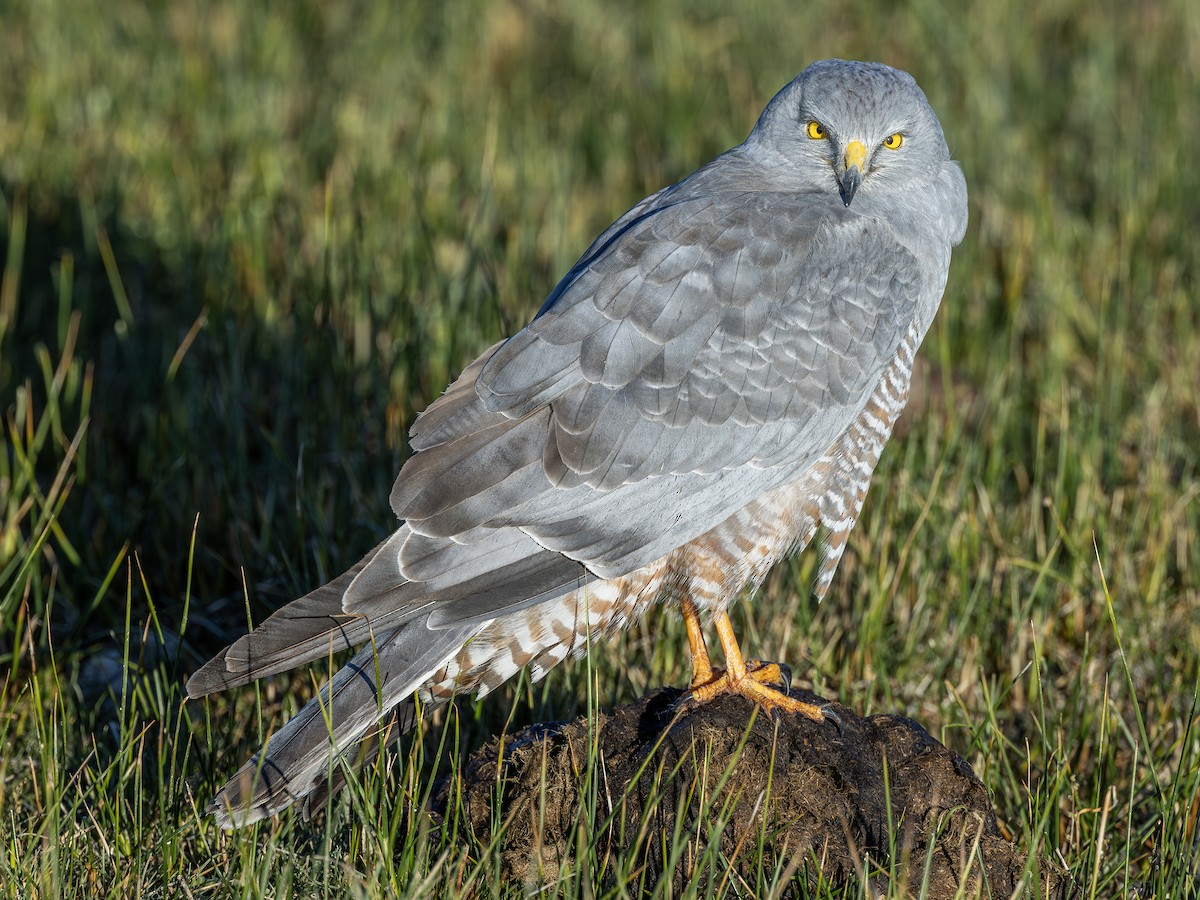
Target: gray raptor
[[711, 383]]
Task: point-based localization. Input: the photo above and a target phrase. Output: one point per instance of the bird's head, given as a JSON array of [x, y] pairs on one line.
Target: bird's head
[[852, 128]]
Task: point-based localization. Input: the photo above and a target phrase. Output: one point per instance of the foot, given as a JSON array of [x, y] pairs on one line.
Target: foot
[[759, 685], [766, 684]]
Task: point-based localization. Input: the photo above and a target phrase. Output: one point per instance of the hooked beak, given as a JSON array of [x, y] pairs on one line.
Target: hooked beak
[[852, 174]]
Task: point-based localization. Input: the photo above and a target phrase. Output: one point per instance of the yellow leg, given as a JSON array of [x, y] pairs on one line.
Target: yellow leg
[[737, 678], [702, 670]]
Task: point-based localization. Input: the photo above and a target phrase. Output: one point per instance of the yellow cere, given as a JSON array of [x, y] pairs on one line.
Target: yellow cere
[[816, 130], [856, 155], [893, 141]]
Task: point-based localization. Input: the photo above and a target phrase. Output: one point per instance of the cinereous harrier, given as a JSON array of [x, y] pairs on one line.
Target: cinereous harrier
[[709, 384]]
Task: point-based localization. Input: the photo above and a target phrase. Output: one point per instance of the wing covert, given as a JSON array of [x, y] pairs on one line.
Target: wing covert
[[704, 327]]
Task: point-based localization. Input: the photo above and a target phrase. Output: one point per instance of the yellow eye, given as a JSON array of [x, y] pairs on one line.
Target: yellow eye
[[816, 130], [893, 141]]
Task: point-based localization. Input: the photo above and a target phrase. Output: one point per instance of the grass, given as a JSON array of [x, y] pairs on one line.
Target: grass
[[243, 246]]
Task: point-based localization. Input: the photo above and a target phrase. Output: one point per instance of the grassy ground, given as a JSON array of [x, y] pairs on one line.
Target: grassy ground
[[242, 247]]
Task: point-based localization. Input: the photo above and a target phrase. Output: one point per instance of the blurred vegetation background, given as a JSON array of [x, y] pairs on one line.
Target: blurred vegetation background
[[244, 244]]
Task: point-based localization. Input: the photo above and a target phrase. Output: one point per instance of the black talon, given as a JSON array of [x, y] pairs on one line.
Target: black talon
[[785, 674], [784, 684], [832, 717]]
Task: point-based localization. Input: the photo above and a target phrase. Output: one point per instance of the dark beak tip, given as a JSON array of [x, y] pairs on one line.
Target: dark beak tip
[[848, 186]]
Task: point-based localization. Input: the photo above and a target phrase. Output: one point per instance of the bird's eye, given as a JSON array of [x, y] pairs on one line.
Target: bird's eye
[[893, 141], [816, 130]]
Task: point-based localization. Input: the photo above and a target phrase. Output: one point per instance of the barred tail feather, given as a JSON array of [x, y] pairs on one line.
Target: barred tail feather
[[305, 630], [296, 760]]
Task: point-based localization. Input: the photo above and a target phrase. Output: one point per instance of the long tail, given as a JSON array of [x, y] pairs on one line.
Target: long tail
[[306, 630], [302, 757], [398, 651], [394, 613]]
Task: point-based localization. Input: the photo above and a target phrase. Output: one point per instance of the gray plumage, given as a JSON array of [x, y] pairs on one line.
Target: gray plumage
[[710, 347]]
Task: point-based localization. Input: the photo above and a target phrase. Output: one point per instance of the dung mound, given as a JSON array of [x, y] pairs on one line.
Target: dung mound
[[873, 797]]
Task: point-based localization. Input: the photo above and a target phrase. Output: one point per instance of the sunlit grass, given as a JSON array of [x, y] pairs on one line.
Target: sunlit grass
[[243, 246]]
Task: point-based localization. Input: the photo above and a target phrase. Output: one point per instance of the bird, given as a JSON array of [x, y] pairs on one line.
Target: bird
[[704, 392]]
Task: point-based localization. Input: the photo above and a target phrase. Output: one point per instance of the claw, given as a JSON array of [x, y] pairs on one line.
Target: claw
[[832, 717], [777, 675]]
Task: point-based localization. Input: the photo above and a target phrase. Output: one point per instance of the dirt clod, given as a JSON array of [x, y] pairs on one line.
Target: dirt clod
[[840, 800]]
